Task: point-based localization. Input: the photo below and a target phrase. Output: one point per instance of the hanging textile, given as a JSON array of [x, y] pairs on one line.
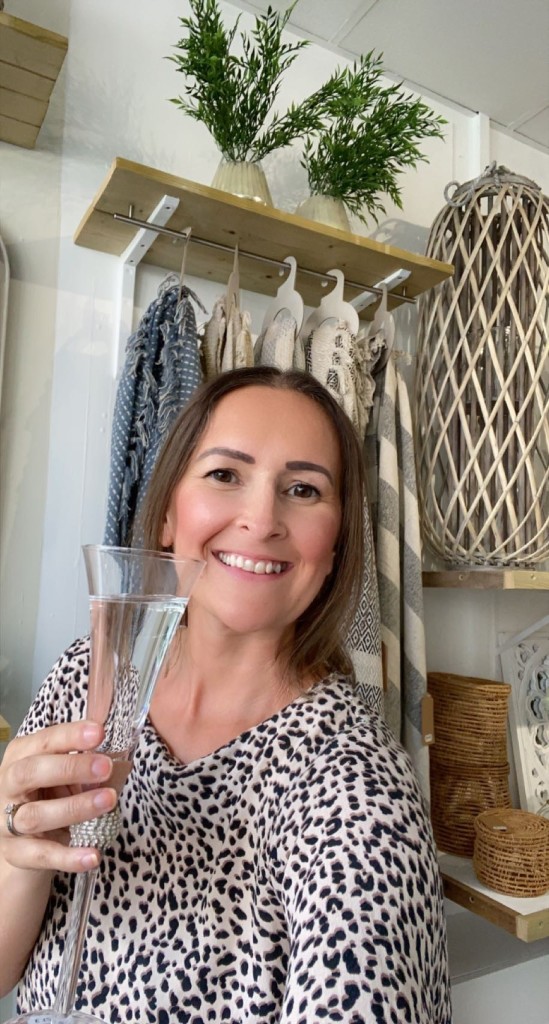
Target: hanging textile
[[389, 452], [227, 342], [279, 345], [364, 638], [160, 373], [339, 360]]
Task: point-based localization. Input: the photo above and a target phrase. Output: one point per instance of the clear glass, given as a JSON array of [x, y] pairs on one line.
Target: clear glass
[[137, 599]]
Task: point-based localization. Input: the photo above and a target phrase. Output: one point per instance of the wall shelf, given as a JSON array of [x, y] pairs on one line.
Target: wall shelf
[[527, 919], [5, 731], [488, 579], [226, 219], [30, 61]]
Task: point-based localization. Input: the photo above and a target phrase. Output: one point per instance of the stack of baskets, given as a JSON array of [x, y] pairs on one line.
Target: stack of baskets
[[512, 852], [469, 766]]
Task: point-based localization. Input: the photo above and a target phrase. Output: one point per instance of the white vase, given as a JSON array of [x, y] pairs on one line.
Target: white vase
[[244, 179], [325, 209]]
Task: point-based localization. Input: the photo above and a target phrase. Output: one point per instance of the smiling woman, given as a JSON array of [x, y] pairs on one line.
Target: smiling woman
[[275, 861], [289, 441]]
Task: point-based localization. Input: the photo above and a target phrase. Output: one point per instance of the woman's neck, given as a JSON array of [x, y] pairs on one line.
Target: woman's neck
[[213, 691]]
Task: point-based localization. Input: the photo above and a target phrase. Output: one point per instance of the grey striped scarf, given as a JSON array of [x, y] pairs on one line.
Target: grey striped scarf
[[392, 489]]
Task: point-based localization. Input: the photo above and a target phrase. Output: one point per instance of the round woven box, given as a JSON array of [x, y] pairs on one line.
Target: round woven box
[[458, 796], [470, 719], [511, 853]]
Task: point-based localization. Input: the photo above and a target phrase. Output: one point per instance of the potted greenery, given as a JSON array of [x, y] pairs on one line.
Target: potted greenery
[[233, 93], [369, 135]]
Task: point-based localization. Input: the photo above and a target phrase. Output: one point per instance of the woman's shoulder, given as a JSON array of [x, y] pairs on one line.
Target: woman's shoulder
[[347, 740], [62, 695]]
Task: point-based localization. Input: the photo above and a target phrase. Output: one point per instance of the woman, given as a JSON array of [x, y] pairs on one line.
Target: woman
[[274, 861]]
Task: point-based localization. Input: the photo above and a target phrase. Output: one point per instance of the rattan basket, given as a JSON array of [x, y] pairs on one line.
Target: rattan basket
[[470, 719], [511, 853], [458, 796]]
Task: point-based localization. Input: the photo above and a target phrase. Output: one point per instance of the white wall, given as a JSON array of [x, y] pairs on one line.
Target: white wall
[[112, 99]]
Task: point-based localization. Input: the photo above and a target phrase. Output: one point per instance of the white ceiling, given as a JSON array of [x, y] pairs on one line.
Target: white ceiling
[[489, 56]]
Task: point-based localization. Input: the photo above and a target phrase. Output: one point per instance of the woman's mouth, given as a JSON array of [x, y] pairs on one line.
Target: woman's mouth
[[259, 568]]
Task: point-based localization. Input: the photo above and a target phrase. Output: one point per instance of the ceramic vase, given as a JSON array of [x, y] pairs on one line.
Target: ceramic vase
[[326, 210], [244, 179]]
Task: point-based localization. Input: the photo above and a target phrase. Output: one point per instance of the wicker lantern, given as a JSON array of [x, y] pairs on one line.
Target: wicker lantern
[[482, 387]]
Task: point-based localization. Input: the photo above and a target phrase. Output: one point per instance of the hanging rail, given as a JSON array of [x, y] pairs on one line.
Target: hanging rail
[[182, 235]]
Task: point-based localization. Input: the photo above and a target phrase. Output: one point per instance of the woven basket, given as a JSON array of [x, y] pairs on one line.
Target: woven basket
[[511, 852], [482, 391], [457, 799], [470, 719]]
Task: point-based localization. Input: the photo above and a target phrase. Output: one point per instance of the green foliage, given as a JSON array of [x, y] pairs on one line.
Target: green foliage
[[370, 134], [233, 94]]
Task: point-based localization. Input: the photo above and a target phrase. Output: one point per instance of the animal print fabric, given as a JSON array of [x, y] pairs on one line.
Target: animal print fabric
[[289, 877]]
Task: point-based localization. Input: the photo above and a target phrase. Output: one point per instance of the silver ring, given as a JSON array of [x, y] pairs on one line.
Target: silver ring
[[10, 810]]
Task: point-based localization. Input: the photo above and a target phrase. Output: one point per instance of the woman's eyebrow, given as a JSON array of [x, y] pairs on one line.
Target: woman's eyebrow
[[233, 453], [311, 465], [230, 453]]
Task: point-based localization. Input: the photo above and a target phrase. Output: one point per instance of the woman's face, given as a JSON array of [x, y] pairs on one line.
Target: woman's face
[[259, 502]]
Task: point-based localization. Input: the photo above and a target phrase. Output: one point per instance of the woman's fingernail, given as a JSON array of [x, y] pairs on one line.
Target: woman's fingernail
[[102, 800], [89, 860], [91, 732], [101, 767]]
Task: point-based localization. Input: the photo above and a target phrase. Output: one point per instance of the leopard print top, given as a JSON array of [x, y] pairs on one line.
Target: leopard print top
[[288, 877]]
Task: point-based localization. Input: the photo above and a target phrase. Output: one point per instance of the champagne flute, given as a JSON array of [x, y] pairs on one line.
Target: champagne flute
[[137, 599]]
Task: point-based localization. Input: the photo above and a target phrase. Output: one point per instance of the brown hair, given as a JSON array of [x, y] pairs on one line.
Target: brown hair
[[317, 646]]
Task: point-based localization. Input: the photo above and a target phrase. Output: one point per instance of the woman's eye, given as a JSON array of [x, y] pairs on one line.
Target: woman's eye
[[303, 491], [223, 476]]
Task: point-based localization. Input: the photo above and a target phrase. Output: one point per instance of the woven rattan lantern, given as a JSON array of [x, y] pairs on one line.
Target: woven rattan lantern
[[482, 386]]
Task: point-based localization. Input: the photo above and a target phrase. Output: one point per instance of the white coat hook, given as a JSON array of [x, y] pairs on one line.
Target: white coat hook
[[384, 324], [333, 307], [286, 298]]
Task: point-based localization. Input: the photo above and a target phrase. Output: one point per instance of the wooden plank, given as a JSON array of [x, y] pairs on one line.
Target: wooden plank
[[226, 219], [488, 579], [31, 47], [527, 927], [5, 731], [18, 133], [25, 82], [22, 108]]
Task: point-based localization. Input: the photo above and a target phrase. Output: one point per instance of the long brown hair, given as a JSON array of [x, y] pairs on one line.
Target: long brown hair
[[317, 646]]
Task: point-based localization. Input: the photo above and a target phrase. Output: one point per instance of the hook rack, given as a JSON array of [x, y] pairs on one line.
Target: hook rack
[[373, 290]]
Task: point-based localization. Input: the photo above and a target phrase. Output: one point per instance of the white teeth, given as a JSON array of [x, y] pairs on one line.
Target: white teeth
[[259, 568]]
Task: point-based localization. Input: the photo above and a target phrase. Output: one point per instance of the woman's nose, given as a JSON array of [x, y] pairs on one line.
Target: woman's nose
[[262, 515]]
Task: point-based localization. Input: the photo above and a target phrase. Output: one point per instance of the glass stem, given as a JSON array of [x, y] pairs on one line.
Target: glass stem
[[74, 942]]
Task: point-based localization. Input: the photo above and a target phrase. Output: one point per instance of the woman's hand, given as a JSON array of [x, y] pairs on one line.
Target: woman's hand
[[49, 787]]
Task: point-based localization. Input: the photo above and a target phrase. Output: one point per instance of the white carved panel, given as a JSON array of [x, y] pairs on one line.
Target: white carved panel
[[525, 665]]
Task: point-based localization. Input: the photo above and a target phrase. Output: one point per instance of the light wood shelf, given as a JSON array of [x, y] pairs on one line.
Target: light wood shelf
[[527, 919], [488, 579], [30, 61], [5, 731], [226, 219]]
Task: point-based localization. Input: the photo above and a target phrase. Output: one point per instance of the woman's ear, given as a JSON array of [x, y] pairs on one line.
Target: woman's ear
[[166, 538]]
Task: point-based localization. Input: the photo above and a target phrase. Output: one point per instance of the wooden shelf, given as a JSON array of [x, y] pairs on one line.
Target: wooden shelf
[[488, 579], [5, 731], [226, 219], [528, 919], [30, 61]]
